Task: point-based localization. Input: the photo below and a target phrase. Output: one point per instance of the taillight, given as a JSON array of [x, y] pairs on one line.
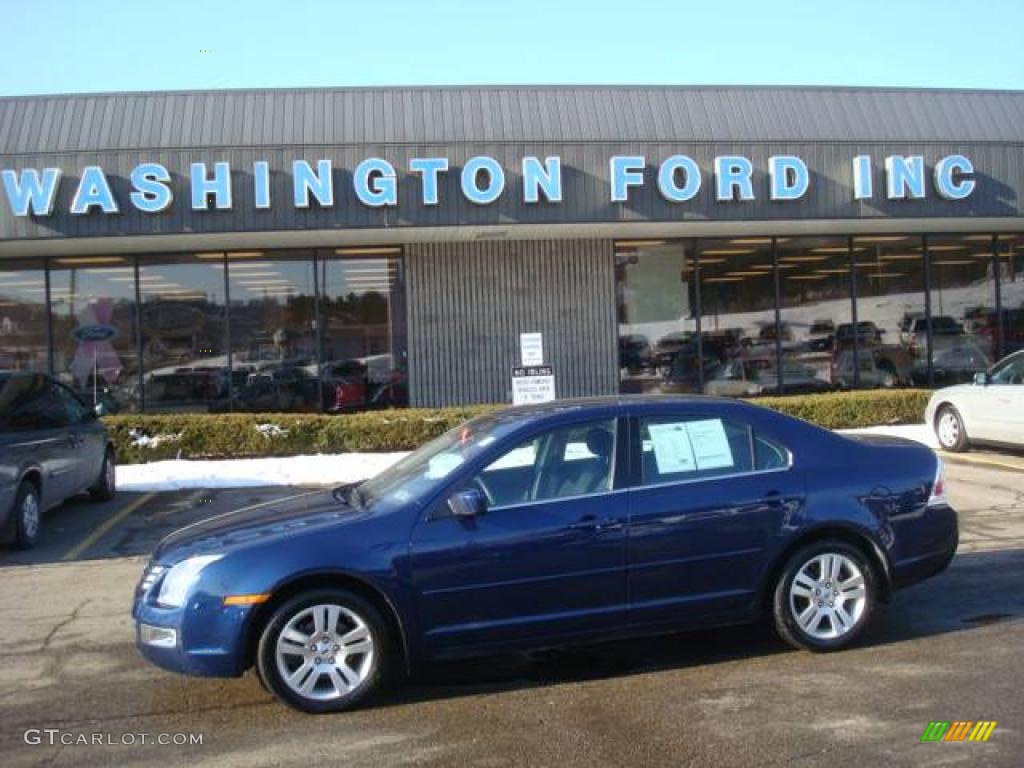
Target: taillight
[[938, 494]]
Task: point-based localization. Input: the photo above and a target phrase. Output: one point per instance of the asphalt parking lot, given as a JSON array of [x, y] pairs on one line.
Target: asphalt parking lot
[[948, 649]]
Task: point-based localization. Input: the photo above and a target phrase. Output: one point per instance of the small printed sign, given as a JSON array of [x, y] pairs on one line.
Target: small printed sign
[[533, 384], [531, 349]]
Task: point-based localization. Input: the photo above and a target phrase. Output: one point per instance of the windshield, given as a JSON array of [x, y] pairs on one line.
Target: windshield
[[429, 465]]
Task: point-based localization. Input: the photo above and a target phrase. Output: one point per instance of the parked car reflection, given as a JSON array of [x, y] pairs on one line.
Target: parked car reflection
[[747, 377]]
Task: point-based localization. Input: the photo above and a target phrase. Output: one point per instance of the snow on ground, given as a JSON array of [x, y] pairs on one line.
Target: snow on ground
[[324, 469], [320, 469], [920, 433]]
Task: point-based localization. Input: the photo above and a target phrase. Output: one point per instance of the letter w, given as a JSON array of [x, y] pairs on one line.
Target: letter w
[[935, 731], [26, 192]]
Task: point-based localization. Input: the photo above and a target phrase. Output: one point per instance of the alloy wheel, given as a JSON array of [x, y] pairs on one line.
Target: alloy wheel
[[325, 652], [828, 595]]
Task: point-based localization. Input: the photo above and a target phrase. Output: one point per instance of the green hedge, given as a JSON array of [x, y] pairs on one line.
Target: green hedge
[[849, 410], [141, 438]]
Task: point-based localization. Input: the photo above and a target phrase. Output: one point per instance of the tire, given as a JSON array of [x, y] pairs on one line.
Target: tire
[[105, 486], [28, 516], [825, 629], [324, 686], [949, 430]]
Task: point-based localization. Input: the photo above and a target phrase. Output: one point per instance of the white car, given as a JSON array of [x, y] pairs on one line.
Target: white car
[[991, 410]]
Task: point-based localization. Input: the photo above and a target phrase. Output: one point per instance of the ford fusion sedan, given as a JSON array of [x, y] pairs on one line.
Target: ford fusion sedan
[[549, 525], [989, 410], [52, 446]]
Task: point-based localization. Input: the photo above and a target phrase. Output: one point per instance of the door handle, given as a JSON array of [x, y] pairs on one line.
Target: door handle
[[772, 499], [591, 524]]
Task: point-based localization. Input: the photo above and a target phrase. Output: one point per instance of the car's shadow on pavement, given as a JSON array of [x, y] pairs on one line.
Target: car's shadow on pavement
[[978, 589]]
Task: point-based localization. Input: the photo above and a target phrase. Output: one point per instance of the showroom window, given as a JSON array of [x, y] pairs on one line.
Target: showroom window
[[363, 344], [964, 335], [23, 317], [737, 319], [654, 307], [1009, 251], [816, 331], [95, 341], [184, 333], [273, 331], [890, 286]]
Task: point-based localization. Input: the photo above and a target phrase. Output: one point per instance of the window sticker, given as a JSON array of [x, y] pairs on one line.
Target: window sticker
[[523, 456], [711, 448], [577, 451], [672, 450], [442, 465]]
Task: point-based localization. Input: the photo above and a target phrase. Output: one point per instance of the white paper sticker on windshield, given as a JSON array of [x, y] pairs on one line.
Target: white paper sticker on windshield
[[711, 448], [442, 465], [672, 451]]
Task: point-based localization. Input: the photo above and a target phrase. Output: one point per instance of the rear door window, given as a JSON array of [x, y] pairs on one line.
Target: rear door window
[[680, 448]]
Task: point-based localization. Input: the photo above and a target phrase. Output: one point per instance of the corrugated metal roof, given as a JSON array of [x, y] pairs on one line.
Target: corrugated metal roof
[[244, 118]]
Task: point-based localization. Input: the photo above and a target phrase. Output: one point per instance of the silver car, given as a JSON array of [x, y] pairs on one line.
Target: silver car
[[989, 410], [52, 446]]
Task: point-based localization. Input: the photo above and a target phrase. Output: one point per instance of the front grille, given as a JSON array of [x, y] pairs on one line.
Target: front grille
[[150, 576]]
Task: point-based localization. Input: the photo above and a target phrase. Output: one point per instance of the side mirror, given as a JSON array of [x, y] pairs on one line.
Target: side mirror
[[982, 378], [99, 410], [467, 503]]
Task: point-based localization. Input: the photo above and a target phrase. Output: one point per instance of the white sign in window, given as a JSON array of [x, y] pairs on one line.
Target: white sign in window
[[690, 446], [531, 349], [672, 451], [711, 447]]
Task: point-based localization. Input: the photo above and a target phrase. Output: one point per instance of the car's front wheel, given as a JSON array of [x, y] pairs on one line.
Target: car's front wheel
[[323, 651], [949, 429], [824, 596]]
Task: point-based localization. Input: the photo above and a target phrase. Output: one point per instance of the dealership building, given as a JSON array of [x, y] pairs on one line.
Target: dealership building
[[338, 249]]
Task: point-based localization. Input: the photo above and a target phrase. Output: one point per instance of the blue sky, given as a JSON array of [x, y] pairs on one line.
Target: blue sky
[[58, 46]]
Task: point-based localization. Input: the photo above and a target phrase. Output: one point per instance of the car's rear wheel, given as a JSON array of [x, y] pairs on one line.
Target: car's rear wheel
[[824, 596], [949, 429], [28, 516], [323, 651], [104, 487]]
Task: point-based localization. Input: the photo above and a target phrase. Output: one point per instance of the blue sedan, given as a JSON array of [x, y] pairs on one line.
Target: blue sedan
[[544, 526]]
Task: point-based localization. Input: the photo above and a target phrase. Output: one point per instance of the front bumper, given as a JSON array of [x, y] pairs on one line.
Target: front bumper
[[209, 637]]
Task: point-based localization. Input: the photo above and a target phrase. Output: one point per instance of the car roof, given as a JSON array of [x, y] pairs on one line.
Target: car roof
[[540, 410]]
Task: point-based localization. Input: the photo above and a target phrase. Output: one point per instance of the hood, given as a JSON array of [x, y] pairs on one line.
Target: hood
[[290, 516], [948, 391]]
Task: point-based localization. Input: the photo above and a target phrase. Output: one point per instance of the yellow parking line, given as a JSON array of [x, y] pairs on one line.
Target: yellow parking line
[[105, 526], [968, 459]]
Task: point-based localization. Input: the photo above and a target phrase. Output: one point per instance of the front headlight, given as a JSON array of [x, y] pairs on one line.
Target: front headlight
[[179, 580]]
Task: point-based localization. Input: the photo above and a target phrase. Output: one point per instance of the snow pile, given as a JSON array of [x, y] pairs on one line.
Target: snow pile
[[143, 440], [920, 433], [328, 470]]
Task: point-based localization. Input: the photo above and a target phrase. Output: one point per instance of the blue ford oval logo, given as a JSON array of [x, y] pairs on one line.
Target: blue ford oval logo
[[94, 332]]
